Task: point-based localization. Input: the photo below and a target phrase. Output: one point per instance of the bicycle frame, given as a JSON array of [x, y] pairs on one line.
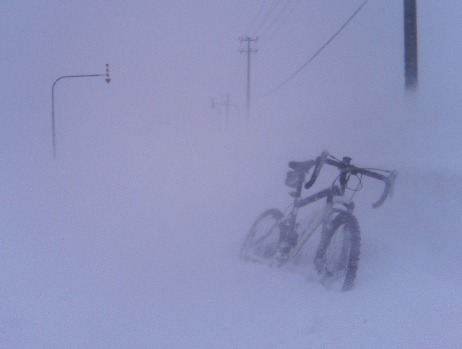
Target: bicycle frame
[[294, 239], [322, 217], [278, 237]]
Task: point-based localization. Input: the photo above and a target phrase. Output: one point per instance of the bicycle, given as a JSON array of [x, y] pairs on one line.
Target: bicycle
[[278, 237]]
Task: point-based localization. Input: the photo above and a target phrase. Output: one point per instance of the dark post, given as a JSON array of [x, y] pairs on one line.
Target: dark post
[[410, 44]]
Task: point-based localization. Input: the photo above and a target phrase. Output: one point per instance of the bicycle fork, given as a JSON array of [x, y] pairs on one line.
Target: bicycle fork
[[288, 238], [312, 226]]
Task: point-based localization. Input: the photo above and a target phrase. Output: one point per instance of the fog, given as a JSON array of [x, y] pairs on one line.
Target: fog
[[129, 238]]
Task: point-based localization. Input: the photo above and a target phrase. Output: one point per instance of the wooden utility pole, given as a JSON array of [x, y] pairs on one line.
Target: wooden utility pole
[[227, 104], [410, 45], [249, 50]]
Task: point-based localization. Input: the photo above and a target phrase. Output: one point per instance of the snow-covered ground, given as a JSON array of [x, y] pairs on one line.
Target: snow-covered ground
[[130, 238], [134, 243]]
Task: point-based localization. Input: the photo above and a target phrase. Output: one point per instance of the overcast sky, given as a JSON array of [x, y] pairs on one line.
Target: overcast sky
[[168, 59]]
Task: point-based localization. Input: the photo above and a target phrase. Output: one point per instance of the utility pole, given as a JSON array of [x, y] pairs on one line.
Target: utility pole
[[225, 104], [410, 45], [249, 50]]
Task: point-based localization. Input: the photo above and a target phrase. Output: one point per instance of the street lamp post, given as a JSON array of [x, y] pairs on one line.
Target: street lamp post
[[53, 128]]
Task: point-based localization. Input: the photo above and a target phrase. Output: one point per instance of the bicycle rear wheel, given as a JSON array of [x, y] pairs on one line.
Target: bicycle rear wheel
[[262, 240], [337, 256]]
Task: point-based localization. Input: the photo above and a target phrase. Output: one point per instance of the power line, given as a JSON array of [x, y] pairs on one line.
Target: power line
[[279, 22], [268, 14], [318, 51], [276, 18], [260, 10], [236, 75]]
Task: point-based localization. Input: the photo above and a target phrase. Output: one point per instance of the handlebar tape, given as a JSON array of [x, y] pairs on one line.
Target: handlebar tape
[[389, 181], [322, 159]]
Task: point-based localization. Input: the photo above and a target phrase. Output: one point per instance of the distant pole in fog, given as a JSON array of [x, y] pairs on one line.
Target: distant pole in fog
[[410, 45], [53, 127], [249, 51], [227, 104], [227, 107]]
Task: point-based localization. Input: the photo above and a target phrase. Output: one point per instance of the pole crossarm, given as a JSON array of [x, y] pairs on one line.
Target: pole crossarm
[[227, 104]]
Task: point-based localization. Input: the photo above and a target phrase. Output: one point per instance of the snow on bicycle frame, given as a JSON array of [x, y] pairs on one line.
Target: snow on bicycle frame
[[282, 238]]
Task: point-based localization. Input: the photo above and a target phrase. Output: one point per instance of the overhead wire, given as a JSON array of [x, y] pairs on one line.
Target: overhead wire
[[303, 66], [236, 77], [279, 21], [237, 70], [275, 19], [269, 19], [267, 16], [259, 12]]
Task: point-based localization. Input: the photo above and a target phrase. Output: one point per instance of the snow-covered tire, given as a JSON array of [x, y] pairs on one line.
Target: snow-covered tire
[[337, 256], [262, 240]]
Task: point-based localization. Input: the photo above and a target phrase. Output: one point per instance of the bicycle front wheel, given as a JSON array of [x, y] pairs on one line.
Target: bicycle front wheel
[[262, 240], [337, 256]]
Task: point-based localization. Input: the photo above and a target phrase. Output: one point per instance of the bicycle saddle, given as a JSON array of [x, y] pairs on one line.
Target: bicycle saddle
[[302, 166]]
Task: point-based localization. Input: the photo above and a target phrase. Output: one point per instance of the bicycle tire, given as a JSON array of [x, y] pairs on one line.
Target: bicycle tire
[[262, 240], [338, 253]]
